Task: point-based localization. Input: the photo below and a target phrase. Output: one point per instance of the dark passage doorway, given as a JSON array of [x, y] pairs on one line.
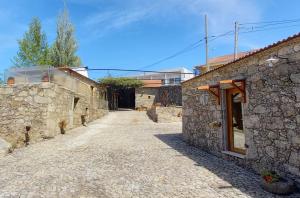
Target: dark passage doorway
[[126, 98]]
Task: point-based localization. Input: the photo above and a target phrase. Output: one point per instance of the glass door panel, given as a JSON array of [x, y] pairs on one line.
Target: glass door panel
[[236, 135]]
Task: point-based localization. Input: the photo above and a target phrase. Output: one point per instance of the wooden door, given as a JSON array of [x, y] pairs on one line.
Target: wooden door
[[236, 135]]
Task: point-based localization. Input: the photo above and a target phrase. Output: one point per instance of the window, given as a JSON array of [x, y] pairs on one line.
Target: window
[[177, 80], [172, 81], [75, 102]]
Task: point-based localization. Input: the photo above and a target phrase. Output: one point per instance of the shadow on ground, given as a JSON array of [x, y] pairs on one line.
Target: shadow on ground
[[121, 109], [236, 176]]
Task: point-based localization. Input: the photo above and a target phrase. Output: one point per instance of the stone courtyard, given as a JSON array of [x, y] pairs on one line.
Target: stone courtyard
[[123, 154]]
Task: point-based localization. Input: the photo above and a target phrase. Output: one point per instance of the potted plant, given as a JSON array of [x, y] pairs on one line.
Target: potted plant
[[46, 77], [62, 125], [27, 138], [11, 81], [275, 184]]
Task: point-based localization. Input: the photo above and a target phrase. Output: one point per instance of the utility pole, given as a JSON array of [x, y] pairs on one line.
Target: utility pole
[[236, 38], [206, 43]]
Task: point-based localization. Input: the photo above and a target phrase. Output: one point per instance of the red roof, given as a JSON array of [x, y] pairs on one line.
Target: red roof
[[220, 60], [152, 83]]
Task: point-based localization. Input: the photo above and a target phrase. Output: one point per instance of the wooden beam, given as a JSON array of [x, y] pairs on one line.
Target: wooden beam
[[226, 81], [213, 90], [204, 87], [234, 84]]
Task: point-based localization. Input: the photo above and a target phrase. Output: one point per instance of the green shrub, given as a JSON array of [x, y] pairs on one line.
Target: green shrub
[[121, 82]]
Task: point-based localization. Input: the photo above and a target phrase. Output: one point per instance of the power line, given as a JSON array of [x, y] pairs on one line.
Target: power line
[[269, 25], [267, 29], [271, 22], [187, 49], [135, 70], [197, 44]]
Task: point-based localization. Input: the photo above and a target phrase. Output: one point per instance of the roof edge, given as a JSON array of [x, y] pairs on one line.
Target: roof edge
[[268, 47]]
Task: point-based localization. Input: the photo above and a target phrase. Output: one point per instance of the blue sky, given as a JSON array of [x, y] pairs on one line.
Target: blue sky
[[131, 34]]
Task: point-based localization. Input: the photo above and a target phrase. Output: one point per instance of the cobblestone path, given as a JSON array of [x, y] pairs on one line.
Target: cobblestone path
[[122, 155]]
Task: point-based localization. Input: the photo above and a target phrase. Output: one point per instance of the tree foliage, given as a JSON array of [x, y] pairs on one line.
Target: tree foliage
[[121, 82], [1, 80], [33, 48], [65, 46]]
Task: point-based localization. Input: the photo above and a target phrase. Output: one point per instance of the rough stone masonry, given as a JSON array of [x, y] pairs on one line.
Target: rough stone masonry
[[271, 114], [42, 107]]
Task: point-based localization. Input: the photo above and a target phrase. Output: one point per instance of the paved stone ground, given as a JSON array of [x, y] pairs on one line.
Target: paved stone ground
[[122, 155]]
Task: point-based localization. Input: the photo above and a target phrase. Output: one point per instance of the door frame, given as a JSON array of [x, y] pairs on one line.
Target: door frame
[[230, 133]]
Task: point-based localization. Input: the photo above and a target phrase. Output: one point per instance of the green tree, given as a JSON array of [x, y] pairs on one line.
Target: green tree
[[33, 48], [65, 46]]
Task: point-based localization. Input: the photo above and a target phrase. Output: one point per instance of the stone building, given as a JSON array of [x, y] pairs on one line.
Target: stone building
[[47, 101], [163, 103], [248, 110]]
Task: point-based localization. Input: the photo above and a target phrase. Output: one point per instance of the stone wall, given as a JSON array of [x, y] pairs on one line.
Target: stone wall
[[170, 95], [145, 97], [72, 107], [42, 106], [271, 112], [165, 96], [165, 114], [22, 106]]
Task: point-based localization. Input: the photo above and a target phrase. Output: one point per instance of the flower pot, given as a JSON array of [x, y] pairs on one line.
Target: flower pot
[[45, 78], [11, 81], [280, 187]]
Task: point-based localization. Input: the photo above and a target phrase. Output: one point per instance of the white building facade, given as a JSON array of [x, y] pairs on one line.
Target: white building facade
[[169, 77]]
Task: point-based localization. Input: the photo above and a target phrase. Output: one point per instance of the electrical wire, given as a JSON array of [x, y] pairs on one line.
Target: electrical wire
[[243, 26], [268, 29], [136, 70], [271, 22], [189, 48]]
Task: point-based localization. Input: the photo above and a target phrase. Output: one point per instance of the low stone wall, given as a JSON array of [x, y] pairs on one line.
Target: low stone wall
[[42, 106], [165, 96], [145, 97], [165, 114]]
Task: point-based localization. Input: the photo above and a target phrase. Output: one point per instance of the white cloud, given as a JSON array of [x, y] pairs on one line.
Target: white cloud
[[103, 22]]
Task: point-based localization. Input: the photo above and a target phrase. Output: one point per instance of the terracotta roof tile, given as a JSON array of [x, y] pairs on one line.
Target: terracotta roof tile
[[152, 83], [226, 58]]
